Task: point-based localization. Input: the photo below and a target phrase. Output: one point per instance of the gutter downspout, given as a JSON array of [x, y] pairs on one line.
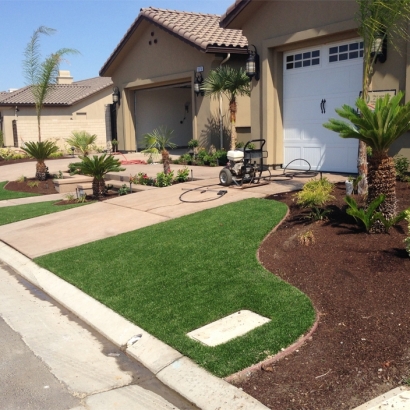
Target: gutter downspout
[[221, 127]]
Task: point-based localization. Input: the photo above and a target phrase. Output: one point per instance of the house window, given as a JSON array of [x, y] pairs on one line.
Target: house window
[[346, 52], [301, 60]]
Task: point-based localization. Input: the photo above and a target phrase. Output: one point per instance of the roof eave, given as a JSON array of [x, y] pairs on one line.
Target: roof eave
[[224, 49], [232, 12]]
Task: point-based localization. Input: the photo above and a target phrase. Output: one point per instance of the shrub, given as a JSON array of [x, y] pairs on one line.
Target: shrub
[[370, 216], [182, 175], [142, 179], [184, 159], [164, 179], [57, 154], [314, 195], [82, 141], [401, 165]]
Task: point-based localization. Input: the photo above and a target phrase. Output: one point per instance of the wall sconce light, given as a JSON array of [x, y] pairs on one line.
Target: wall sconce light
[[252, 63], [379, 48], [116, 96], [197, 84]]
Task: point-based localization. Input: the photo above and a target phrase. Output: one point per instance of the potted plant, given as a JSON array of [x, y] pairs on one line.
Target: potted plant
[[114, 144]]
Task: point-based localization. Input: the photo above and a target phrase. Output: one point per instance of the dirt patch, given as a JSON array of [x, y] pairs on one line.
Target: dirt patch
[[360, 285]]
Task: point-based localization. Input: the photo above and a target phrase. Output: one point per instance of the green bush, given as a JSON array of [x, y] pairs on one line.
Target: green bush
[[1, 139], [182, 175], [314, 195], [164, 180], [401, 165]]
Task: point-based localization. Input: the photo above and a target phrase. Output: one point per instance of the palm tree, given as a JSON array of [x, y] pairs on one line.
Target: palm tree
[[378, 21], [231, 82], [378, 129], [81, 140], [42, 76], [97, 167], [157, 142], [40, 151]]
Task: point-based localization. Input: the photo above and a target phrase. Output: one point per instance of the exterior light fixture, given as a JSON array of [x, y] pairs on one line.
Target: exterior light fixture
[[379, 48], [197, 84], [116, 96], [252, 63]]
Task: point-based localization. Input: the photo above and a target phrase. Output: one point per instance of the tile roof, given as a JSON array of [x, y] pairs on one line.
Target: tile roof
[[61, 94], [200, 30]]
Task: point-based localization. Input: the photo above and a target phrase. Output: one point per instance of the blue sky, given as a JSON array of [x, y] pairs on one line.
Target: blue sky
[[93, 27]]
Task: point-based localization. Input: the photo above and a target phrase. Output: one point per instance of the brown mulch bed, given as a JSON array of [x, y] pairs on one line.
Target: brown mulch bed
[[360, 287], [43, 188]]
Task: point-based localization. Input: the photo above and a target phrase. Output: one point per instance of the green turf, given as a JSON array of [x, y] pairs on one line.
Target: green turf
[[10, 214], [177, 276], [4, 194]]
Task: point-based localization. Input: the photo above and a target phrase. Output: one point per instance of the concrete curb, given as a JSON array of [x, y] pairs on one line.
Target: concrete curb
[[171, 367]]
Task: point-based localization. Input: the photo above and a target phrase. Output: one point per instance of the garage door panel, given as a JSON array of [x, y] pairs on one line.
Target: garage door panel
[[297, 82], [338, 81]]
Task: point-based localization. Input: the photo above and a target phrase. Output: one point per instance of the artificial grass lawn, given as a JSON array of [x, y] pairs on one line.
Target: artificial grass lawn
[[10, 214], [177, 276], [4, 194]]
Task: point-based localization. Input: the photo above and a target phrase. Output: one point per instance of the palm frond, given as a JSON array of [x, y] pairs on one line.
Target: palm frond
[[40, 150], [378, 128], [98, 166]]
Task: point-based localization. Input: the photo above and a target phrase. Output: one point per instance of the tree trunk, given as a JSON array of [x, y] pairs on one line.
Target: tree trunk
[[98, 187], [233, 109], [166, 161], [382, 180], [41, 171]]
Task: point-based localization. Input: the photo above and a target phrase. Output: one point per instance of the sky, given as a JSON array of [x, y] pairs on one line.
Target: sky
[[93, 27]]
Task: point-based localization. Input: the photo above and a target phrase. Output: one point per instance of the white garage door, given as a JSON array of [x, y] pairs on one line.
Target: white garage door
[[316, 81]]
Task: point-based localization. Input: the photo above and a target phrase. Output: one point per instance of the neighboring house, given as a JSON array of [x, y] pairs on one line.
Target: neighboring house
[[155, 67], [311, 63], [70, 106]]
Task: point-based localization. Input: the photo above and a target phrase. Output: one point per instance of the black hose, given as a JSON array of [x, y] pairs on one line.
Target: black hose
[[219, 194]]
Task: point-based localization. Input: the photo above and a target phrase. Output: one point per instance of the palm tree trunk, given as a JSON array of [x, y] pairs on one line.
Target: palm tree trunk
[[233, 108], [166, 161], [382, 180], [98, 188], [41, 171]]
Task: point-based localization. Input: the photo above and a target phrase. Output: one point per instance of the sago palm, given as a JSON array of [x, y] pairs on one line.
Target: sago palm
[[40, 151], [97, 167], [157, 142], [378, 128], [81, 141], [231, 82]]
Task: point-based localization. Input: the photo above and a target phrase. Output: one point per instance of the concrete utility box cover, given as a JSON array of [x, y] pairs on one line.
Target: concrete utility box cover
[[228, 328]]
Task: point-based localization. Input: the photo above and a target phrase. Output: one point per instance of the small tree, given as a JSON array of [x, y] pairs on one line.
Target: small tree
[[42, 76], [231, 82], [81, 141], [157, 142], [378, 21], [377, 128], [97, 167], [40, 150]]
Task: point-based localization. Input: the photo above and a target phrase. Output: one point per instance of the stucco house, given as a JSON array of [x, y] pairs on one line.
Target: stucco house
[[311, 63], [155, 67], [70, 106]]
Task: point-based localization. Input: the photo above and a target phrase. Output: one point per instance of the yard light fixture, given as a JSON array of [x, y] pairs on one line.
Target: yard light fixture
[[197, 84], [252, 63], [72, 151], [116, 96], [379, 48]]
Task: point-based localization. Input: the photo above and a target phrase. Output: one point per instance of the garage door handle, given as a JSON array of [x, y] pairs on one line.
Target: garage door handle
[[323, 106]]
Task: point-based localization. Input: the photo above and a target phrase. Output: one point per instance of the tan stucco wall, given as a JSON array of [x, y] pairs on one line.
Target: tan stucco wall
[[57, 123], [278, 26], [168, 61]]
